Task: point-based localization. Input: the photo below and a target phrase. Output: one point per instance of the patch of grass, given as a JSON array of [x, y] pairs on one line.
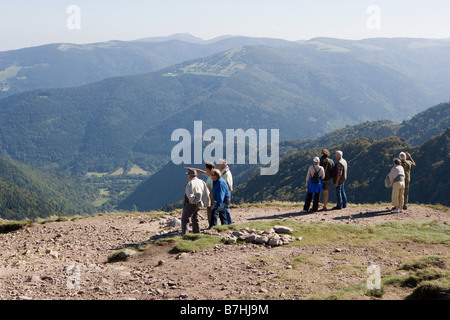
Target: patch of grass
[[10, 226], [430, 232], [317, 233], [424, 262], [196, 241], [423, 275], [115, 256], [190, 242], [429, 276], [432, 290]]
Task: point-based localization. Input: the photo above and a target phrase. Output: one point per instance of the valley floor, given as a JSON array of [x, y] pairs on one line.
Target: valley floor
[[329, 259]]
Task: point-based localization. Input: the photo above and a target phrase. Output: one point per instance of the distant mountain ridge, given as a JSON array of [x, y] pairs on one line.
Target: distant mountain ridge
[[305, 90], [63, 65]]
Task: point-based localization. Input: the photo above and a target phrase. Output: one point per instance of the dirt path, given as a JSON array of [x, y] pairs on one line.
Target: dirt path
[[68, 260]]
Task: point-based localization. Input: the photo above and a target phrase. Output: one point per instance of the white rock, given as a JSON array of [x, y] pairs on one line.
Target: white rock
[[282, 229], [175, 223], [261, 239], [125, 254], [274, 242]]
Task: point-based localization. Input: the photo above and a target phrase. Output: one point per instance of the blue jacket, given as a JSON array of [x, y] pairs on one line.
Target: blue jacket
[[220, 191]]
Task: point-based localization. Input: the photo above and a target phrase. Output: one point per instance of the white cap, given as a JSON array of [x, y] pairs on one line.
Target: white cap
[[402, 155], [316, 159]]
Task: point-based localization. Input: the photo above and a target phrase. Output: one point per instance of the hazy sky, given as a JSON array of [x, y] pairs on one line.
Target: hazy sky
[[35, 22]]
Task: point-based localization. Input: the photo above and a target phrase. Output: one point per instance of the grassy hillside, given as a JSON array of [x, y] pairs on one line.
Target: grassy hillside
[[430, 122], [369, 162], [28, 193]]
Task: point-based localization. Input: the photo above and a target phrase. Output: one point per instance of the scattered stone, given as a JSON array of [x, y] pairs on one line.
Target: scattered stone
[[182, 255], [269, 237], [125, 254], [175, 223], [33, 278], [52, 253], [262, 239], [275, 242], [282, 229]]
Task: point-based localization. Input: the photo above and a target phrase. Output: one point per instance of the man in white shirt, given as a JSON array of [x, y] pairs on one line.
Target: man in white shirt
[[196, 196], [225, 173]]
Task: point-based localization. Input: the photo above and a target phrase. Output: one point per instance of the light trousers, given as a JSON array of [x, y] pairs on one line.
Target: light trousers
[[398, 193]]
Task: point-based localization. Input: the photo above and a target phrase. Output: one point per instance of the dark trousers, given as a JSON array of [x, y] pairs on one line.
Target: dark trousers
[[222, 212], [341, 197], [190, 211], [309, 197]]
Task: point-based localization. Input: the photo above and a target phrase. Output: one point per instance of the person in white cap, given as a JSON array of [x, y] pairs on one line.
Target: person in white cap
[[196, 196], [407, 163], [314, 178]]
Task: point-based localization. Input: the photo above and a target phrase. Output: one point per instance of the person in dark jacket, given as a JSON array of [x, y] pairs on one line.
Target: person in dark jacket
[[328, 165]]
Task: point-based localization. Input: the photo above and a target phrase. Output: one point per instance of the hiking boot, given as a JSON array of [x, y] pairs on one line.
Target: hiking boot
[[405, 207]]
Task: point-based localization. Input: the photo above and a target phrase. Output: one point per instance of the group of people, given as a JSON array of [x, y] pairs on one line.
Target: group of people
[[214, 194], [399, 178], [325, 171], [320, 175]]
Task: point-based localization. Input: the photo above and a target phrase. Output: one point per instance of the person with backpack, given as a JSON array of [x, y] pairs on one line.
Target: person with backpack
[[328, 165], [314, 178], [397, 178]]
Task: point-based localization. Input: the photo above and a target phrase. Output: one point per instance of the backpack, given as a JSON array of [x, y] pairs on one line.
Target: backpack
[[315, 178]]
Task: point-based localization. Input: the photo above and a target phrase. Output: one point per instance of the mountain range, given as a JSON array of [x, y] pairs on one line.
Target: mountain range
[[304, 89], [101, 108], [62, 65]]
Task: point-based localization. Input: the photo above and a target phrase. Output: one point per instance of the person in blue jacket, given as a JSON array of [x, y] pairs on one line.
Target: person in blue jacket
[[221, 195]]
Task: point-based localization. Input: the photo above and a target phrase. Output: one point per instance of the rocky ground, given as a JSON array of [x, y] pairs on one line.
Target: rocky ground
[[69, 260]]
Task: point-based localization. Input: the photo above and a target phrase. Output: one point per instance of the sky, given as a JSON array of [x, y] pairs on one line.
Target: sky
[[37, 22]]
